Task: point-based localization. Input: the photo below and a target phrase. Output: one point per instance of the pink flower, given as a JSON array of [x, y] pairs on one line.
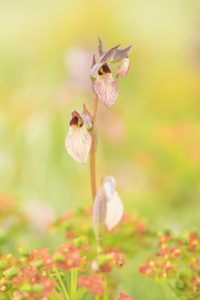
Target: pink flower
[[108, 208], [78, 139], [124, 296], [68, 257], [41, 257], [105, 86], [92, 283], [116, 258], [33, 278]]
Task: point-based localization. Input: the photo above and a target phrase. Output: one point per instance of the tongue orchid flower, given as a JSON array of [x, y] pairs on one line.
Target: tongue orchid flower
[[78, 140], [104, 84]]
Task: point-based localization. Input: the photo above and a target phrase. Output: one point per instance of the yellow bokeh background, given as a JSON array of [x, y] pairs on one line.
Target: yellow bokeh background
[[149, 140]]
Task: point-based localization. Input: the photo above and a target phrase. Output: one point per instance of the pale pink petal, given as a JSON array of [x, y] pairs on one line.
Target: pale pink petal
[[114, 211], [108, 208], [106, 89], [109, 186], [108, 55], [123, 69], [121, 53], [95, 69], [114, 206], [99, 209], [78, 143]]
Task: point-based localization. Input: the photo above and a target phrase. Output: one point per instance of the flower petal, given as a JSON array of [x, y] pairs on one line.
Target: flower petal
[[78, 143], [114, 211], [95, 69], [108, 55], [100, 47], [99, 209], [121, 53], [106, 89], [123, 69], [114, 206], [109, 186]]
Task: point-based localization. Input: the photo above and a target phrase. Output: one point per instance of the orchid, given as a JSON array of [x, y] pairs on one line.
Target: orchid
[[78, 140], [105, 86], [108, 208]]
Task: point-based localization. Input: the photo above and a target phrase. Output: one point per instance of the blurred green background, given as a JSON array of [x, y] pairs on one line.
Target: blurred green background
[[149, 140]]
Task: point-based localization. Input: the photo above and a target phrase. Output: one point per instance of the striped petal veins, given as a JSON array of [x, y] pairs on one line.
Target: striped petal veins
[[106, 89], [78, 143]]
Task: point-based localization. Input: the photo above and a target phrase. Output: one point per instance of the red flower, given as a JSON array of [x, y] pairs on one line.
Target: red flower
[[68, 257], [175, 252], [92, 283], [124, 296], [117, 257], [149, 268], [196, 282], [41, 257], [193, 241], [109, 259], [166, 267], [34, 279]]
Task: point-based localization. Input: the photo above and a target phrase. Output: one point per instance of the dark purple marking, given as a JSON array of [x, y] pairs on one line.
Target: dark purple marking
[[74, 121]]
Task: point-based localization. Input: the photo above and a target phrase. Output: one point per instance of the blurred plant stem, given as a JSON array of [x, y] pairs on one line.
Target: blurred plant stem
[[62, 285], [93, 150], [73, 283]]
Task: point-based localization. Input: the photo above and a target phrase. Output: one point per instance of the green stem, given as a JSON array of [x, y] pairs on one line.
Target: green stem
[[105, 295], [62, 284], [73, 284]]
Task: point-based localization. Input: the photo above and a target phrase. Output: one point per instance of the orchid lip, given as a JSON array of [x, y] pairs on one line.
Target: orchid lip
[[74, 121]]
